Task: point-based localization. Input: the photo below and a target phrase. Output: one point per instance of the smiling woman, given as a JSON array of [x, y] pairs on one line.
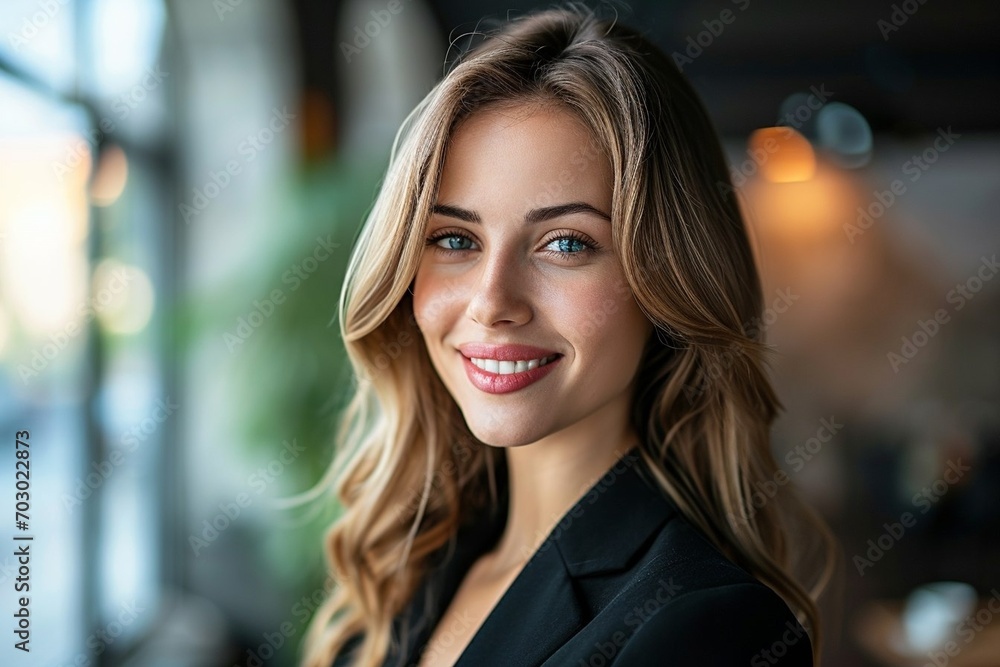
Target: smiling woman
[[557, 467], [499, 274]]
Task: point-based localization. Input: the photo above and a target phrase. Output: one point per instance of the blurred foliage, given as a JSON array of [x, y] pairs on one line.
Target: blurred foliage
[[291, 375]]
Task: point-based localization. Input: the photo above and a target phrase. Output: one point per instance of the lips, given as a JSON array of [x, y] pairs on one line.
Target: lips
[[487, 376], [511, 352]]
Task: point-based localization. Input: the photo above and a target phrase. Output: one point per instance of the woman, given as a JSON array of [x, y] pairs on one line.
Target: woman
[[562, 412]]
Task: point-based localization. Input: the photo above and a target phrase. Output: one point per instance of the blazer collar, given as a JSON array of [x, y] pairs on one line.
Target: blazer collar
[[542, 608], [603, 530]]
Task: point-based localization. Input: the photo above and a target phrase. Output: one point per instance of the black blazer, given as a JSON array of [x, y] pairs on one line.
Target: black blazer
[[623, 579]]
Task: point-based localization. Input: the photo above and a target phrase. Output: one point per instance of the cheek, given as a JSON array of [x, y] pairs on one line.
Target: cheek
[[600, 316], [432, 300], [420, 298]]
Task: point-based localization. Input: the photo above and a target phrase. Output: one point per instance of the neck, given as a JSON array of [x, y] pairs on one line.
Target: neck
[[546, 478]]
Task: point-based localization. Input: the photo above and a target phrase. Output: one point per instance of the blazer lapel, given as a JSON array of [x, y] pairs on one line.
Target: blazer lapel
[[543, 608], [537, 614]]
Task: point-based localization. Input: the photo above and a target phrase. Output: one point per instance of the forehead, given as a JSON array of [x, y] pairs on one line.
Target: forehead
[[524, 156]]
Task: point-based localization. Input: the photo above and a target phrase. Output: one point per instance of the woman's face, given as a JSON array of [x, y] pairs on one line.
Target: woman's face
[[519, 252]]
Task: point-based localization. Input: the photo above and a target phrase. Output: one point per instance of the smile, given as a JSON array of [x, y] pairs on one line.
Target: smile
[[508, 367], [494, 376]]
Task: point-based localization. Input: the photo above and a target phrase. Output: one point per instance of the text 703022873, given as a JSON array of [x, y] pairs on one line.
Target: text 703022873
[[22, 543]]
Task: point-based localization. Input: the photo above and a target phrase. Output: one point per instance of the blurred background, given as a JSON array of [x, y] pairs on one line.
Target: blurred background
[[180, 185]]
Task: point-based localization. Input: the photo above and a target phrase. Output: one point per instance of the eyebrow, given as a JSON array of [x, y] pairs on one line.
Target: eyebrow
[[535, 215]]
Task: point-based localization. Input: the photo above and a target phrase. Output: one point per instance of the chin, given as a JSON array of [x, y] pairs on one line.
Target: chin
[[498, 434]]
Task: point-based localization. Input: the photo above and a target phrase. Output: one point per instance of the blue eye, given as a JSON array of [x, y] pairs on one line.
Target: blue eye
[[452, 241], [569, 245]]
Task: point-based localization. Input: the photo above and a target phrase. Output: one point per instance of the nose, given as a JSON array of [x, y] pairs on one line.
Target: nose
[[500, 294]]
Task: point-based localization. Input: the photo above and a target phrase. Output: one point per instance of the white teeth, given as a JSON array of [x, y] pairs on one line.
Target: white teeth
[[508, 367]]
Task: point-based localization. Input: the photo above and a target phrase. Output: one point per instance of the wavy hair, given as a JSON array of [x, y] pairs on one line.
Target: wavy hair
[[407, 470]]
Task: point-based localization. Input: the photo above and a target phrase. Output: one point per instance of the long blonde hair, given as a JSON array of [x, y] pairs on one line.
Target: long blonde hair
[[407, 470]]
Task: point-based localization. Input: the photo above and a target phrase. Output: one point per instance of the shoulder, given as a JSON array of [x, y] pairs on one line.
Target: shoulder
[[743, 623], [712, 612]]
